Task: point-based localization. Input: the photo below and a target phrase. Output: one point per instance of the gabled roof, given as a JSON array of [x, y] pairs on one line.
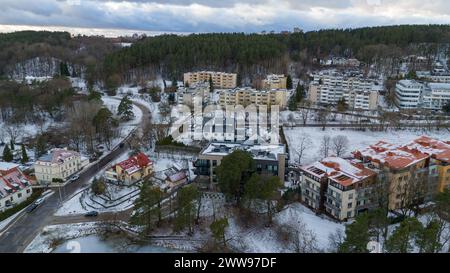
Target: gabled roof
[[135, 163], [12, 180], [58, 156]]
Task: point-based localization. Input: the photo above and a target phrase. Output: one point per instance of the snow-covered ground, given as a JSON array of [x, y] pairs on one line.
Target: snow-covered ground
[[266, 240], [357, 139], [50, 234]]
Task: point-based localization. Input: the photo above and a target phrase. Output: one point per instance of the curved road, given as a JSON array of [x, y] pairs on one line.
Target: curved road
[[19, 234]]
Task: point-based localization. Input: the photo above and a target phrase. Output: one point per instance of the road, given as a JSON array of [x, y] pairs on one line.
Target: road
[[19, 234]]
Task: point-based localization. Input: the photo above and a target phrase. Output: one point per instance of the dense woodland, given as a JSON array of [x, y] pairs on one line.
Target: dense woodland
[[172, 55]]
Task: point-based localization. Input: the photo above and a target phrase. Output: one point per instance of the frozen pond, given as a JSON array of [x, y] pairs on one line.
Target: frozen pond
[[95, 244]]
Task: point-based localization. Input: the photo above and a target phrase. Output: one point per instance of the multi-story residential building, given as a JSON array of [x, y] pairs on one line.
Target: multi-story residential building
[[436, 96], [58, 165], [15, 187], [274, 81], [246, 96], [410, 174], [329, 87], [408, 94], [270, 159], [131, 170], [411, 94], [220, 80], [200, 90], [434, 77], [337, 187], [439, 152]]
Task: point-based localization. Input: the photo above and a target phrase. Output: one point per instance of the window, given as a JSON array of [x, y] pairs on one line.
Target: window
[[350, 196], [19, 195], [349, 205], [349, 214]]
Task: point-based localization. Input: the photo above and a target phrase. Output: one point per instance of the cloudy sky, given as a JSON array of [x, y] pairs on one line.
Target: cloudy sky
[[108, 16]]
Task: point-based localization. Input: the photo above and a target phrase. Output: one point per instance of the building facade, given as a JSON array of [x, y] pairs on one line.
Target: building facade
[[247, 96], [411, 94], [330, 87], [58, 165], [274, 81], [220, 80], [337, 187], [15, 187], [270, 159], [186, 95]]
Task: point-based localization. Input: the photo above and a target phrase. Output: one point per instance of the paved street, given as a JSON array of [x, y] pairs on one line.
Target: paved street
[[27, 226]]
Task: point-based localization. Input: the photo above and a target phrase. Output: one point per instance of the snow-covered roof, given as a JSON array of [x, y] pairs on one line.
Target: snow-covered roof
[[6, 166], [258, 151], [58, 156], [341, 171], [135, 163], [12, 180]]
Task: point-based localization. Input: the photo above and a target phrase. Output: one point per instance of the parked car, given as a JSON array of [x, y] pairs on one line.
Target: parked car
[[32, 207], [74, 178], [91, 214], [39, 201]]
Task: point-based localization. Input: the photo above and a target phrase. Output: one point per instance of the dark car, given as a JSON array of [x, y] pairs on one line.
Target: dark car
[[91, 214], [32, 207]]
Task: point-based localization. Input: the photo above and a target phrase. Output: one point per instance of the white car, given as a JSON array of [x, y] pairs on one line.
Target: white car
[[39, 201], [74, 178]]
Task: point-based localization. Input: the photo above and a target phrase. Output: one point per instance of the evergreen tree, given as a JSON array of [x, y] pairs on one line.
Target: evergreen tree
[[233, 172], [11, 142], [356, 236], [211, 84], [7, 154], [218, 228], [125, 109], [428, 239], [148, 207], [25, 158], [63, 69], [403, 237], [41, 146], [98, 186], [299, 93], [342, 106], [186, 208], [289, 84]]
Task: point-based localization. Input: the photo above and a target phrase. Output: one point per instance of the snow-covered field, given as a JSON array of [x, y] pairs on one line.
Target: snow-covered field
[[357, 139]]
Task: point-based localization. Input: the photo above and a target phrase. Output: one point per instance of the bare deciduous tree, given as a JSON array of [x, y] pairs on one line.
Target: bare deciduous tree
[[303, 144], [340, 145], [325, 146]]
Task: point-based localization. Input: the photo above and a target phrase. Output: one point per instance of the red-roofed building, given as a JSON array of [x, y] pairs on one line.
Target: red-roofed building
[[15, 187], [336, 186], [131, 170], [410, 170]]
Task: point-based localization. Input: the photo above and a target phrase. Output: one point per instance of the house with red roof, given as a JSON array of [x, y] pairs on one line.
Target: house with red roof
[[130, 171], [15, 187]]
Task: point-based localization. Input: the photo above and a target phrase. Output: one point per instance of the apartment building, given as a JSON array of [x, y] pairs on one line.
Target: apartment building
[[270, 159], [439, 152], [131, 170], [200, 90], [434, 77], [410, 173], [220, 80], [329, 87], [408, 94], [58, 165], [246, 96], [15, 187], [338, 187], [411, 94], [274, 81]]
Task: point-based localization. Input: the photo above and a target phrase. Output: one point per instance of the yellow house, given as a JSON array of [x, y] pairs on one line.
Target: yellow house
[[131, 170]]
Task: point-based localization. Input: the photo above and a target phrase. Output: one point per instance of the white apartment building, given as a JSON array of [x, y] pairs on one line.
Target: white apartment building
[[434, 77], [246, 96], [219, 79], [15, 187], [411, 94], [408, 94], [330, 87], [58, 164]]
